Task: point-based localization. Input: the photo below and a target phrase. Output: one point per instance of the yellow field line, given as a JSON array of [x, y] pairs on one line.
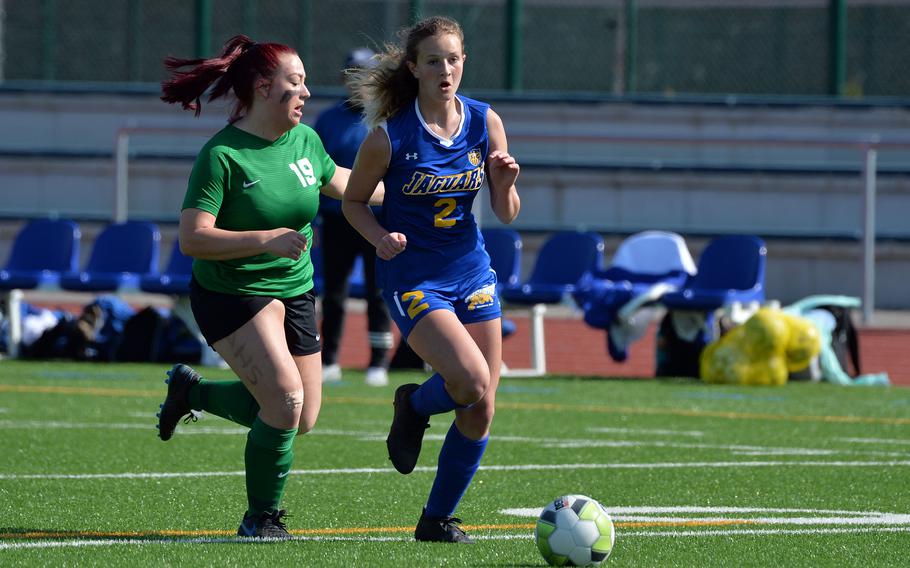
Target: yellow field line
[[81, 390], [335, 532], [538, 406]]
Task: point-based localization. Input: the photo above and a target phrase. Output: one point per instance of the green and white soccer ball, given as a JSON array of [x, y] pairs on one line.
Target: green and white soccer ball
[[574, 530]]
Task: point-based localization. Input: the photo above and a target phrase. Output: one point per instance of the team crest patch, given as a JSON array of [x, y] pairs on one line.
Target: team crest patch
[[474, 157], [483, 298]]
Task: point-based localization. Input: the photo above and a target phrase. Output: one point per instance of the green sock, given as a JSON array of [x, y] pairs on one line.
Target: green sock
[[269, 455], [227, 399]]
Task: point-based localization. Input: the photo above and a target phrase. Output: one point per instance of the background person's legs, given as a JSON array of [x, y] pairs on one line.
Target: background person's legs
[[338, 253], [379, 324]]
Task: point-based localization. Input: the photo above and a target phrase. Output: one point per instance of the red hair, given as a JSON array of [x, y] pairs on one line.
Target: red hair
[[241, 63]]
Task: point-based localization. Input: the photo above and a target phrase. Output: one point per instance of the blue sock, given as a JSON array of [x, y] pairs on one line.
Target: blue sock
[[432, 397], [458, 461]]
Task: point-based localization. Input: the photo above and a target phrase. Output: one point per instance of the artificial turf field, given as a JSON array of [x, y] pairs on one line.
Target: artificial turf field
[[694, 475]]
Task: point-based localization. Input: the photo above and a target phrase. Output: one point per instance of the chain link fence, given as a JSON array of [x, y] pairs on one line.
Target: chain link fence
[[762, 47]]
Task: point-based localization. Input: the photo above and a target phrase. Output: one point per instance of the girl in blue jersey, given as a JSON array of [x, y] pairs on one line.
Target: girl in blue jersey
[[434, 149]]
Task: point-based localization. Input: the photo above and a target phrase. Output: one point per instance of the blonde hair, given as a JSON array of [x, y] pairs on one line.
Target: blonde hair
[[384, 90]]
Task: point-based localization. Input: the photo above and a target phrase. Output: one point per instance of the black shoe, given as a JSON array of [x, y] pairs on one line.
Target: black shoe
[[442, 529], [264, 525], [180, 379], [406, 433]]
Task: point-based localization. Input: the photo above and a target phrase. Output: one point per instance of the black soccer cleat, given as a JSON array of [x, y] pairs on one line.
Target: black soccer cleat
[[264, 525], [406, 432], [442, 529], [180, 379]]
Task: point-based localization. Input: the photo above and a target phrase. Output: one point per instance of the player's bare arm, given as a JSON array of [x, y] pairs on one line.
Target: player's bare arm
[[502, 172], [369, 168], [199, 238], [337, 185]]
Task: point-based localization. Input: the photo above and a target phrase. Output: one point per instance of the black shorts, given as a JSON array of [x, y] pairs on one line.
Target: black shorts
[[219, 315]]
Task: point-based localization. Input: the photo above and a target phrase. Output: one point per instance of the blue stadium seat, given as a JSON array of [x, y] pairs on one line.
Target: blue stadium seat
[[562, 262], [176, 277], [504, 248], [731, 269], [42, 251], [122, 253], [646, 266]]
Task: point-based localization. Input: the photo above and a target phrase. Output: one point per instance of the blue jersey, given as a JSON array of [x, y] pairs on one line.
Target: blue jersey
[[430, 187]]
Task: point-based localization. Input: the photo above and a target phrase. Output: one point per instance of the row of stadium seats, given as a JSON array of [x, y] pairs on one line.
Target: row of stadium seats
[[649, 268], [655, 268], [569, 264], [125, 256]]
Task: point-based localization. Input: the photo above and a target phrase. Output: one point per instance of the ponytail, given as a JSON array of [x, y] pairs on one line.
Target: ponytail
[[385, 89], [241, 63]]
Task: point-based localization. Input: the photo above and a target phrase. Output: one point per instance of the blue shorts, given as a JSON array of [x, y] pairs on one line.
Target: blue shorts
[[473, 300]]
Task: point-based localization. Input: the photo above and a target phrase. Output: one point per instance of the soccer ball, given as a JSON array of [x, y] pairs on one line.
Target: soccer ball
[[574, 530]]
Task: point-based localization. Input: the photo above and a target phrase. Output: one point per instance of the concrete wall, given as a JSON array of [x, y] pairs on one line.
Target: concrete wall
[[57, 160]]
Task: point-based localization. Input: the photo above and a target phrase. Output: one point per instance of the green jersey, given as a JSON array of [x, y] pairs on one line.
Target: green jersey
[[251, 184]]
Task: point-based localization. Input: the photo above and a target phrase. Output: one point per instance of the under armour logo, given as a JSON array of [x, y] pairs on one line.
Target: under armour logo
[[410, 156]]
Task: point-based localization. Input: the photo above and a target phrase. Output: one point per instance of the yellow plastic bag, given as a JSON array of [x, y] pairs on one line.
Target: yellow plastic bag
[[762, 351]]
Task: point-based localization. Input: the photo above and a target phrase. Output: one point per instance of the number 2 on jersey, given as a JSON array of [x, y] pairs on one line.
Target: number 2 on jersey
[[441, 220], [415, 307]]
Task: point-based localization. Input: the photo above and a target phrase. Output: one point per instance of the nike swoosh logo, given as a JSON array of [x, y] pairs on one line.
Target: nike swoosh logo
[[285, 474], [248, 184]]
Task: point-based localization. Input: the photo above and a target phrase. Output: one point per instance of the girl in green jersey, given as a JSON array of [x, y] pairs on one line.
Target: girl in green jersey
[[252, 195]]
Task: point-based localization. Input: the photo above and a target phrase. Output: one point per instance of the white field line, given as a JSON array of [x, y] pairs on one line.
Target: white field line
[[874, 440], [563, 443], [889, 519], [768, 532], [512, 536], [150, 425], [734, 448], [650, 431], [658, 515], [526, 467]]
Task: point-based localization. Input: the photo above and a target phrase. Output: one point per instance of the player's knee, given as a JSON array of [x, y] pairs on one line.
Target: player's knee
[[474, 422], [474, 386], [287, 408]]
